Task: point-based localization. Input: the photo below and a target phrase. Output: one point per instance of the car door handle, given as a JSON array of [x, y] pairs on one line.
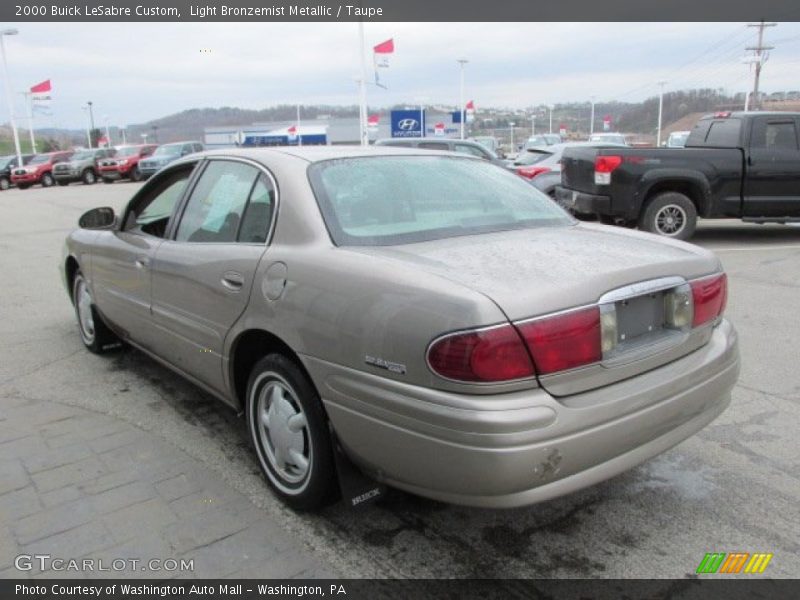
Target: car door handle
[[142, 262], [232, 280]]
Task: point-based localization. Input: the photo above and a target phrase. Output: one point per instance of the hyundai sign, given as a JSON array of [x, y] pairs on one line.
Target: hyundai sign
[[407, 123]]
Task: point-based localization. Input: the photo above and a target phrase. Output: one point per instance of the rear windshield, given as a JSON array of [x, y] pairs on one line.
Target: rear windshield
[[386, 200], [530, 157], [722, 133]]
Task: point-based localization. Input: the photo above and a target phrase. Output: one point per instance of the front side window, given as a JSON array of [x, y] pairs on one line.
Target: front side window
[[774, 135], [375, 201], [152, 211], [217, 203]]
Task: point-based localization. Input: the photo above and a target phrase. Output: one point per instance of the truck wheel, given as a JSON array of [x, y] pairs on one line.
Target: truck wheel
[[4, 183], [670, 214], [89, 177], [48, 180], [136, 174]]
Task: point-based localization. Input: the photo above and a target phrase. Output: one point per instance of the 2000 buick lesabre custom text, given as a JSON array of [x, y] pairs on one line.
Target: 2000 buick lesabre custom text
[[457, 333]]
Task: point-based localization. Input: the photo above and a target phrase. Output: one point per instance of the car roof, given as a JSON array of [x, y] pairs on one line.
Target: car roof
[[739, 114], [313, 154]]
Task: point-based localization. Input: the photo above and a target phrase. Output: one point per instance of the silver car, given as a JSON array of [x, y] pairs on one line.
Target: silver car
[[428, 316]]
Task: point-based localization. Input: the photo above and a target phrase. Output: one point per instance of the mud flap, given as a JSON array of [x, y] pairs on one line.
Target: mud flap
[[357, 488]]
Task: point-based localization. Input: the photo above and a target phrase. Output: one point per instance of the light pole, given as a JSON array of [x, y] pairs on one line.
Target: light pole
[[462, 62], [124, 141], [660, 111], [551, 107], [533, 124], [511, 124], [9, 96], [29, 108], [422, 101], [155, 133], [591, 119], [88, 127], [144, 138], [91, 121]]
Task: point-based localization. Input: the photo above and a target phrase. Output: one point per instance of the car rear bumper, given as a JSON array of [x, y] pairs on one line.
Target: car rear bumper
[[515, 449], [581, 202]]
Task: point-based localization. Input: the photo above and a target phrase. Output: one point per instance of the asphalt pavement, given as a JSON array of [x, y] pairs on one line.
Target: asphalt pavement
[[733, 487]]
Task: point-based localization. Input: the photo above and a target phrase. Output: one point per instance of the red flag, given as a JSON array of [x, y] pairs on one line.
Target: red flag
[[470, 105], [41, 87], [386, 47], [372, 120]]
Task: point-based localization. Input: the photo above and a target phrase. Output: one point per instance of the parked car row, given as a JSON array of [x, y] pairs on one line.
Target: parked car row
[[90, 165]]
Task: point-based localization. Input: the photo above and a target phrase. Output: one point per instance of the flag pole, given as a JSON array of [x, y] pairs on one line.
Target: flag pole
[[29, 105], [362, 109], [299, 137]]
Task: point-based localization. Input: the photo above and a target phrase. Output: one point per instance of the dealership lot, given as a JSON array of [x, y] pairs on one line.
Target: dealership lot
[[733, 487]]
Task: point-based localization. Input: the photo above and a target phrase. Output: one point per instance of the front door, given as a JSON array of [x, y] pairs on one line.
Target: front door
[[772, 186], [202, 278], [121, 261]]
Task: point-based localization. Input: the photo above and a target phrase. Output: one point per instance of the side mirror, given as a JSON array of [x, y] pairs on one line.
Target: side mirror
[[98, 218]]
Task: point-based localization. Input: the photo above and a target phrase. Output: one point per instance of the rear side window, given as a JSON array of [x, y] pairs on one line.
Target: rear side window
[[724, 133], [434, 146], [774, 135], [258, 214]]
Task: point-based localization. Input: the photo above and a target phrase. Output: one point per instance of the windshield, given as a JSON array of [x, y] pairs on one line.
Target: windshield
[[617, 139], [377, 201], [5, 162], [83, 155], [129, 151], [678, 139], [530, 157], [40, 159], [167, 150]]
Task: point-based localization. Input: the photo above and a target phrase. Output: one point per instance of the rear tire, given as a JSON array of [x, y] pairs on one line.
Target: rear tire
[[670, 214], [4, 183], [89, 177], [135, 174], [289, 431], [95, 334], [47, 180]]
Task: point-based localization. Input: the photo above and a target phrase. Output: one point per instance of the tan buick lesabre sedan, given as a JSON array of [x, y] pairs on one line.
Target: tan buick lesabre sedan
[[445, 324]]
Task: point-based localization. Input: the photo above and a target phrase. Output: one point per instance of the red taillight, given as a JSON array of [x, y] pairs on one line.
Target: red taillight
[[722, 115], [709, 296], [531, 172], [564, 341], [606, 164], [603, 167], [496, 354]]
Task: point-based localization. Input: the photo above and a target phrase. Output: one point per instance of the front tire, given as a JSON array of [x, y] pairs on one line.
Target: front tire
[[47, 180], [135, 174], [289, 430], [95, 334], [670, 214], [4, 183]]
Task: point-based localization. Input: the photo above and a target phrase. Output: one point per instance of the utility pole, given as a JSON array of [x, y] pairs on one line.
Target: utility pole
[[760, 58], [591, 119]]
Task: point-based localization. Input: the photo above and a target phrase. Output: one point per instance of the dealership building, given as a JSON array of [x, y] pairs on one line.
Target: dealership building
[[335, 131]]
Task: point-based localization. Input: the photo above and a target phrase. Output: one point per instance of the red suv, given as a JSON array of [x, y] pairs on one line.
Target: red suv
[[39, 170], [125, 164]]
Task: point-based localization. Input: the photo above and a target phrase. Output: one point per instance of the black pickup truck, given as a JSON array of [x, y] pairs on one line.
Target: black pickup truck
[[742, 165]]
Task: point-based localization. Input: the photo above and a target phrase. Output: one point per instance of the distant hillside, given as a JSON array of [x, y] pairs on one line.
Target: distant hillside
[[189, 124]]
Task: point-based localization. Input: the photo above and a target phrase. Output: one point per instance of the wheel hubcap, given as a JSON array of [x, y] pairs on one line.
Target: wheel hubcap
[[670, 220], [283, 431], [85, 317]]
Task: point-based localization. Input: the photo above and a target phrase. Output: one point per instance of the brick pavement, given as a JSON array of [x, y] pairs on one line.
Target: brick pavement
[[76, 484]]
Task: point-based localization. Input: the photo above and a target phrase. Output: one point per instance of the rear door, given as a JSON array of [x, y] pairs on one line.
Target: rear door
[[203, 275], [772, 184]]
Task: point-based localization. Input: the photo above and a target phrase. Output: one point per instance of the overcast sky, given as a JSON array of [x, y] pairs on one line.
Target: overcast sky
[[140, 71]]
